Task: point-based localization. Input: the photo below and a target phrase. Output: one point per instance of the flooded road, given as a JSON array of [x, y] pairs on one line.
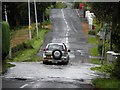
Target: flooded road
[[51, 76], [66, 28]]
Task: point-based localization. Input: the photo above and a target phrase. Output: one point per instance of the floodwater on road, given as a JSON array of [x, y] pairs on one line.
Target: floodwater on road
[[64, 76]]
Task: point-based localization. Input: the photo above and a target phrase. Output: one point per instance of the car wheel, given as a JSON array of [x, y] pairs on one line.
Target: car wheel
[[57, 54]]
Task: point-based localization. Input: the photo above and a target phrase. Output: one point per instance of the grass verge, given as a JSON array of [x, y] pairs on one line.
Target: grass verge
[[30, 54], [95, 61], [92, 40], [104, 68], [106, 83], [5, 66], [94, 51]]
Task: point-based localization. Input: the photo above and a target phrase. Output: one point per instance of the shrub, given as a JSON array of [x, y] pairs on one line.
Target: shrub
[[60, 5], [100, 46], [28, 44], [22, 46], [104, 68], [5, 39], [116, 70], [47, 22], [91, 32]]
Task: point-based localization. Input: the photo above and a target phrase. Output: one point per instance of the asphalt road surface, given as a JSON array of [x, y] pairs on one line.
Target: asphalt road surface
[[66, 28]]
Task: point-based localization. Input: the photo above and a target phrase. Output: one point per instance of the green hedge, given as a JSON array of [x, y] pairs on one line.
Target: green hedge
[[5, 39], [116, 70], [60, 5], [100, 46], [22, 46], [91, 32]]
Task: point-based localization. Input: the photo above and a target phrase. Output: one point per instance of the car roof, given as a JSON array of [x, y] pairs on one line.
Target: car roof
[[55, 43]]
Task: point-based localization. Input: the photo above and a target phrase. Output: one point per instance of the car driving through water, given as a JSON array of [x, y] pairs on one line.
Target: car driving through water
[[56, 53]]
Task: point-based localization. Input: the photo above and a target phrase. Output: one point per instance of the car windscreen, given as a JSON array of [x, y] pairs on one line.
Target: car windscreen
[[55, 46]]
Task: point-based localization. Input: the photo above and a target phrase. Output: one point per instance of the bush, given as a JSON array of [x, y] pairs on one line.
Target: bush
[[28, 44], [22, 46], [5, 39], [60, 5], [104, 68], [47, 22], [91, 32], [116, 70], [100, 46], [18, 48]]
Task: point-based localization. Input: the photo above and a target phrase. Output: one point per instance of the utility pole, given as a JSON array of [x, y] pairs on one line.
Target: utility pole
[[104, 39], [43, 16], [30, 36], [110, 36], [6, 19], [36, 17], [103, 49]]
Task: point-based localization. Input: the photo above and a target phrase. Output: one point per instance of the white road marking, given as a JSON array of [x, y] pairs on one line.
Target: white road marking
[[68, 29], [24, 85], [66, 39], [65, 20], [66, 34]]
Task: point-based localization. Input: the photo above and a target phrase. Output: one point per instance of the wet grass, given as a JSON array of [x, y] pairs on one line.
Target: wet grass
[[95, 61], [94, 51], [30, 54], [20, 34], [106, 83], [92, 40], [104, 68], [6, 66]]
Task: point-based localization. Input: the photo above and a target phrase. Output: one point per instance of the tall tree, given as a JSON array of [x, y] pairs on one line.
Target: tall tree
[[116, 28]]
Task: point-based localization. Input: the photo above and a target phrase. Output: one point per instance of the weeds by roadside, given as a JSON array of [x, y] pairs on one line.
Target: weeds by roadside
[[5, 66], [29, 54], [106, 83]]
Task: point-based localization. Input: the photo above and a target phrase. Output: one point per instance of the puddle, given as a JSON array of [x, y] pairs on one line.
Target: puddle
[[22, 79]]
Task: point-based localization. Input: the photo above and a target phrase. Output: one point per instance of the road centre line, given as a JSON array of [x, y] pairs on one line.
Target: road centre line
[[65, 20], [68, 29], [24, 85]]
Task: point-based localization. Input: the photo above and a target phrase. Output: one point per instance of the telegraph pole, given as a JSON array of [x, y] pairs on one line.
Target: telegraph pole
[[104, 39], [6, 19], [30, 36], [36, 17]]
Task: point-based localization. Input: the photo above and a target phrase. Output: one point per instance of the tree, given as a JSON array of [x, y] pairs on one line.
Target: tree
[[115, 35], [108, 12], [18, 12]]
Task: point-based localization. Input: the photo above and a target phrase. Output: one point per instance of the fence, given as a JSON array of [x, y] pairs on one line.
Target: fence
[[112, 56]]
